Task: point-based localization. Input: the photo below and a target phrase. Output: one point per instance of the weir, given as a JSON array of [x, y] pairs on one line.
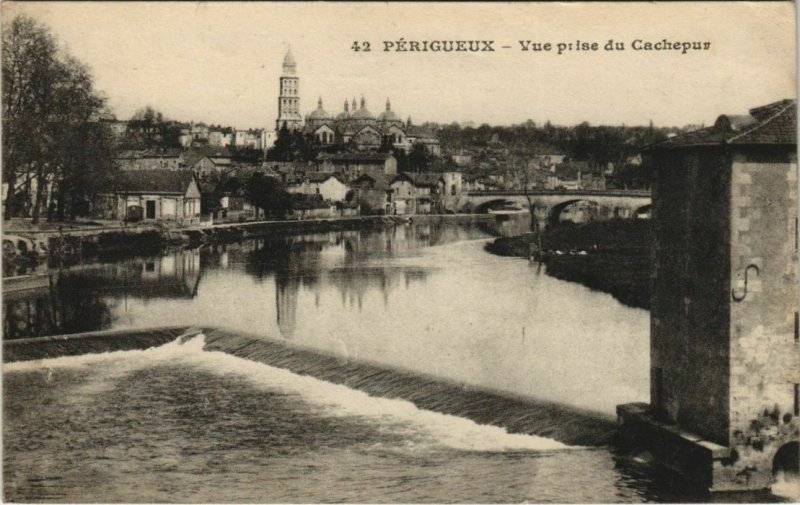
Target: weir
[[517, 415]]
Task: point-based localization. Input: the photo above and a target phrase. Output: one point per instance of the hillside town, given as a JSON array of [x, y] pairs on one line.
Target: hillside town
[[234, 273], [322, 165]]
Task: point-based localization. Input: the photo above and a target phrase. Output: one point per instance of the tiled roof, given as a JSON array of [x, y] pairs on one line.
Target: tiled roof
[[164, 152], [772, 124], [419, 132], [373, 179], [154, 181], [426, 179], [195, 154], [353, 157], [323, 176]]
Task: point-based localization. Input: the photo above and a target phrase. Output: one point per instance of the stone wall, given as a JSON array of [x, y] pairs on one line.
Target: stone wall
[[689, 305], [765, 355]]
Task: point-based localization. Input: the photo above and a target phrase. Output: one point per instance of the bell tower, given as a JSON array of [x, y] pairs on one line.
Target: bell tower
[[289, 95]]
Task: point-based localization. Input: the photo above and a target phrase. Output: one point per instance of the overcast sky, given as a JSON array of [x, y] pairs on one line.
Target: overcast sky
[[220, 62]]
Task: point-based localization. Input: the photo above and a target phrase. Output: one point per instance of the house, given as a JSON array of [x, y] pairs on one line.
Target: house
[[199, 134], [428, 192], [212, 165], [462, 158], [268, 138], [416, 193], [403, 194], [566, 175], [453, 183], [424, 137], [373, 192], [545, 161], [332, 187], [474, 182], [353, 165], [249, 139], [152, 195], [452, 186], [220, 137], [593, 176]]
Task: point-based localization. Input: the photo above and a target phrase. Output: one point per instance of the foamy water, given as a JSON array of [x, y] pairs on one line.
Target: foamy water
[[420, 427], [787, 486]]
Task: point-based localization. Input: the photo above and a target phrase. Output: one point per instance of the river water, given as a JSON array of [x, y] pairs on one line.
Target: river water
[[499, 380]]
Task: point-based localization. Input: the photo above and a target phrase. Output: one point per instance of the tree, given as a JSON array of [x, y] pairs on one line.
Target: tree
[[28, 61], [56, 154], [268, 194], [149, 129], [418, 158], [283, 145]]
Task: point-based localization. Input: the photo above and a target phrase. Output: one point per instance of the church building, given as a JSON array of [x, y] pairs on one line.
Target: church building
[[355, 125]]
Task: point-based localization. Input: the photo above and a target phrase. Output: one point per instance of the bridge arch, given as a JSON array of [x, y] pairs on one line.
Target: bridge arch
[[590, 212], [498, 203], [643, 212], [787, 459]]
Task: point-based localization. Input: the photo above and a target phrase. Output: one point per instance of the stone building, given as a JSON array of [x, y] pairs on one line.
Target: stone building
[[152, 195], [352, 165], [289, 96], [331, 187], [725, 356], [355, 125]]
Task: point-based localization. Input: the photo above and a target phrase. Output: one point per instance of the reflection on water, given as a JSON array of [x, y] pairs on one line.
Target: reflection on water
[[94, 296], [87, 298], [424, 298]]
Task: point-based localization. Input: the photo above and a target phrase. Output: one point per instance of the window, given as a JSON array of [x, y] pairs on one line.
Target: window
[[797, 399]]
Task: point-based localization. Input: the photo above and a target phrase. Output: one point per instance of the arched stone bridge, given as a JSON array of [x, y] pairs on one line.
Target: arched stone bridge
[[550, 206]]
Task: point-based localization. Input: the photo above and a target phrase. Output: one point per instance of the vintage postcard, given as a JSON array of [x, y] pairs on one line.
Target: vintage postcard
[[399, 252]]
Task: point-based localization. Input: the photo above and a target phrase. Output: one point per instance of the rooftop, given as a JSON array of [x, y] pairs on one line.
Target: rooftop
[[772, 124], [363, 156], [154, 181]]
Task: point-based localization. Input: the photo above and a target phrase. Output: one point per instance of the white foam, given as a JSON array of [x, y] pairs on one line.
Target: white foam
[[128, 359], [787, 486], [419, 427], [422, 427]]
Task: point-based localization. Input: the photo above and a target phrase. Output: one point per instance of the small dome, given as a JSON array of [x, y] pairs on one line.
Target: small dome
[[319, 113], [388, 116], [363, 112], [345, 114]]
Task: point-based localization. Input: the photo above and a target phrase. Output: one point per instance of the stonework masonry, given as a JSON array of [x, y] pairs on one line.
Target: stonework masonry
[[725, 355]]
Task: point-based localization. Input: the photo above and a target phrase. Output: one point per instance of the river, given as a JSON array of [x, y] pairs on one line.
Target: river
[[454, 376]]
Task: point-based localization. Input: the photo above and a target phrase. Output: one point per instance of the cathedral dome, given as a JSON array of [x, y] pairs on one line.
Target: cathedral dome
[[319, 113], [362, 113], [388, 116], [345, 114]]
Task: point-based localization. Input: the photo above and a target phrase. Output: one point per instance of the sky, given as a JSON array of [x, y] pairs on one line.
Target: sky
[[220, 62]]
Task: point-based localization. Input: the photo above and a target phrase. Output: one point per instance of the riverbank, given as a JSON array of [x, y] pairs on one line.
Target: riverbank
[[31, 250], [608, 256]]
